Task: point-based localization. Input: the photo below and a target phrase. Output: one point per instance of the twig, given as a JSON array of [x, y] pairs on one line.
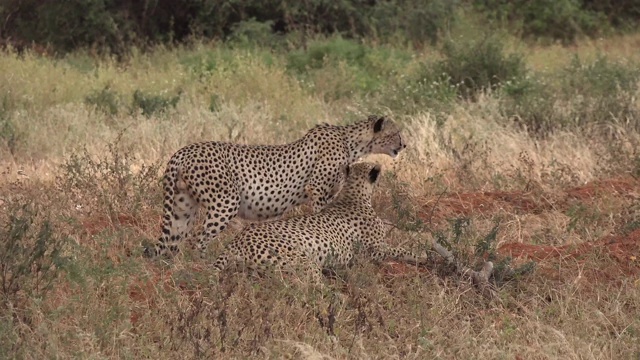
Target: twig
[[433, 209], [479, 278], [391, 224]]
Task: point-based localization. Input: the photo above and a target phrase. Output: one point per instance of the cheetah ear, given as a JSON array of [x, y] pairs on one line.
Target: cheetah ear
[[373, 174], [379, 125]]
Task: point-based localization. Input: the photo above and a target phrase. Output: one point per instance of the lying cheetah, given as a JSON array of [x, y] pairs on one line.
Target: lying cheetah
[[322, 239], [263, 182]]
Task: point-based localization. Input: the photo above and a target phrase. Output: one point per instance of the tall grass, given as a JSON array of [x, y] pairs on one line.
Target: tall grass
[[167, 98], [83, 142]]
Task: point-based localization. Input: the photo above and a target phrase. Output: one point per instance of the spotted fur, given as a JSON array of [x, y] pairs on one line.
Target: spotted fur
[[259, 182], [319, 240]]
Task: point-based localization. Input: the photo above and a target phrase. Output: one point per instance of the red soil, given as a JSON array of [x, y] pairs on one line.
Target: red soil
[[617, 255], [96, 224]]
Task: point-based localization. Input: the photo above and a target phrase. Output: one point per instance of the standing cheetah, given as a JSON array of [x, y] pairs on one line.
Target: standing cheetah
[[322, 239], [264, 181]]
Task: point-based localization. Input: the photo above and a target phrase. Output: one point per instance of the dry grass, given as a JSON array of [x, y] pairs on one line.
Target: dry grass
[[557, 56], [569, 201]]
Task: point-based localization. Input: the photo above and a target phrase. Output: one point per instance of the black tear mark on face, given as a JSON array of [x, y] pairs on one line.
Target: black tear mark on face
[[373, 174], [377, 127]]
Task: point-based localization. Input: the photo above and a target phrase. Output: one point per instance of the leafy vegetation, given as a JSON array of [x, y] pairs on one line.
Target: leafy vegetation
[[521, 153], [114, 26]]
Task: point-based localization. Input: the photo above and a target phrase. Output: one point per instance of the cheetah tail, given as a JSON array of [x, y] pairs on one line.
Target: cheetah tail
[[221, 262], [167, 241]]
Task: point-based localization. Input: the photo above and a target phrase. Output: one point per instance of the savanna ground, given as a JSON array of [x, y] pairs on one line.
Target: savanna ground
[[537, 172]]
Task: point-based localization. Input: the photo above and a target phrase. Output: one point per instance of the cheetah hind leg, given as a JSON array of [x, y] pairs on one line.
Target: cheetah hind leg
[[217, 218]]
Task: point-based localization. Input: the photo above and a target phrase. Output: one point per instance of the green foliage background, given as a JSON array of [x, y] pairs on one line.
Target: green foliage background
[[115, 25]]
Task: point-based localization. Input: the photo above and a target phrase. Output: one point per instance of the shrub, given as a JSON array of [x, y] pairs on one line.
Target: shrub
[[422, 91], [581, 94], [600, 77], [9, 134], [529, 102], [153, 104], [619, 14], [562, 20], [110, 179], [30, 255], [116, 25], [252, 32], [105, 100], [418, 21], [346, 67], [319, 53], [476, 66], [603, 90]]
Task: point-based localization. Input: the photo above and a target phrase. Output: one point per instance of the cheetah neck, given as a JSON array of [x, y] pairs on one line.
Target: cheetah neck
[[353, 135], [351, 198]]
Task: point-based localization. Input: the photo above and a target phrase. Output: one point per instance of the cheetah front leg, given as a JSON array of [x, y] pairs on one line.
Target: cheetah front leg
[[310, 268], [316, 198], [383, 251], [379, 250], [325, 186]]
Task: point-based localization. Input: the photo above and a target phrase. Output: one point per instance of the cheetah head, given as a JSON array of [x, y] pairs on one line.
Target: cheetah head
[[363, 176], [384, 137]]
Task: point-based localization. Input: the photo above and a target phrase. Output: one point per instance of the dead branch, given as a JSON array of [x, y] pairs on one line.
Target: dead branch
[[480, 279]]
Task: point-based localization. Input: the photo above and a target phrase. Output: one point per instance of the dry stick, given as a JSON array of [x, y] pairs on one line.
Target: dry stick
[[479, 278], [433, 209]]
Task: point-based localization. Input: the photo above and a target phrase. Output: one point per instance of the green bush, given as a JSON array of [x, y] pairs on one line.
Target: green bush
[[204, 63], [153, 104], [9, 136], [582, 93], [364, 70], [562, 20], [621, 14], [417, 21], [320, 53], [114, 25], [422, 91], [475, 66], [600, 77], [105, 100], [605, 90], [529, 102], [66, 25], [252, 32], [30, 256]]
